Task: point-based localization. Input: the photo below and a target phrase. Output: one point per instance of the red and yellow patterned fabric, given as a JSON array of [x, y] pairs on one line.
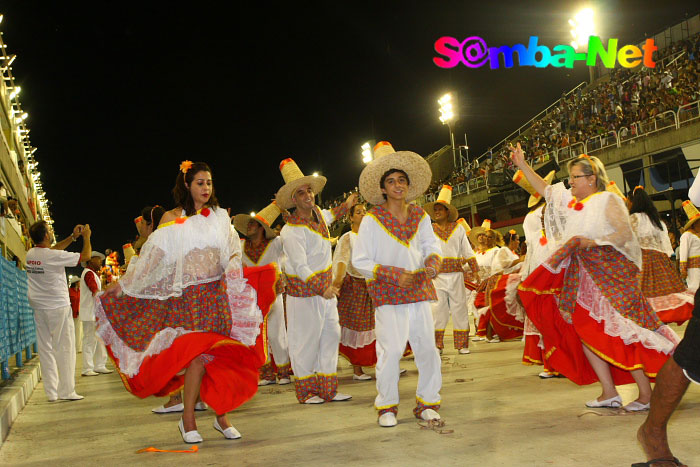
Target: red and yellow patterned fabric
[[440, 339], [452, 265], [386, 291], [356, 313], [403, 233], [504, 324], [534, 355], [616, 324], [255, 252], [461, 339], [325, 386], [421, 405], [316, 284], [231, 367], [663, 287], [445, 234]]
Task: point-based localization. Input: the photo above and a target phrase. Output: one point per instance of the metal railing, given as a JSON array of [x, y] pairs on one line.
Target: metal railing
[[17, 329], [688, 112]]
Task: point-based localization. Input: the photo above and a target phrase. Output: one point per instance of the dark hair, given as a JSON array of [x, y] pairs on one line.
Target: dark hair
[[389, 172], [155, 211], [640, 202], [181, 194], [38, 231], [352, 209], [510, 237]]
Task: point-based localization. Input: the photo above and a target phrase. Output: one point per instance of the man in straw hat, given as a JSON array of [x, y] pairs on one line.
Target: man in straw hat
[[398, 253], [262, 246], [449, 283], [690, 247], [313, 329], [94, 351]]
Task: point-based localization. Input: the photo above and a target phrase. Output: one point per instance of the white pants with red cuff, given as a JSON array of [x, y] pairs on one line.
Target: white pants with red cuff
[[396, 325], [55, 337], [94, 351], [452, 300], [313, 331], [277, 332]]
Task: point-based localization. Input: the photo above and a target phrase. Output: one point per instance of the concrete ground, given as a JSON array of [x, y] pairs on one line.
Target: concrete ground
[[500, 411]]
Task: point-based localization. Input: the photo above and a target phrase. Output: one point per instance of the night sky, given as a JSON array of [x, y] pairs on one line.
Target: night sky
[[118, 97]]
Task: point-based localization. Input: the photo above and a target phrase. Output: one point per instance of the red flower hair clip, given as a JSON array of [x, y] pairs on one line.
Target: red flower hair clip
[[185, 166]]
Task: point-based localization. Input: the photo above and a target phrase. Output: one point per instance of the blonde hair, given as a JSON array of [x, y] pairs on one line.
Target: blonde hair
[[591, 165], [498, 238]]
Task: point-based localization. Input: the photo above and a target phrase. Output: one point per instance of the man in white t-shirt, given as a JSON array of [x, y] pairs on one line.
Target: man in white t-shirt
[[48, 296]]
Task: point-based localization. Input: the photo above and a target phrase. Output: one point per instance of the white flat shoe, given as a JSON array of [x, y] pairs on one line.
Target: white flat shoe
[[387, 420], [362, 377], [494, 340], [265, 382], [229, 433], [635, 406], [478, 339], [545, 375], [464, 351], [339, 397], [314, 400], [200, 406], [103, 371], [283, 381], [429, 414], [173, 408], [72, 397], [612, 403], [89, 373], [402, 371], [189, 437]]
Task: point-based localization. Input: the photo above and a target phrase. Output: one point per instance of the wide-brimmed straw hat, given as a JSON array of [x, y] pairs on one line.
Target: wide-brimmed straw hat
[[693, 214], [385, 159], [293, 179], [613, 188], [520, 180], [94, 253], [464, 224], [444, 198], [478, 230], [265, 217], [129, 252]]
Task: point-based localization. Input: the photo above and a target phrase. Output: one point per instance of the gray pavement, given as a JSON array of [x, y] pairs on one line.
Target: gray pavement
[[502, 414]]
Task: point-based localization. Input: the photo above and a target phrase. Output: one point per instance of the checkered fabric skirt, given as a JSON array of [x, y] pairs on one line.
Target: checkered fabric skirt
[[659, 277], [355, 307]]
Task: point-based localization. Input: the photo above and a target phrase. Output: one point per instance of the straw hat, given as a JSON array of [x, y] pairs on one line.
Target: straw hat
[[73, 279], [464, 224], [693, 214], [444, 198], [613, 188], [385, 158], [520, 180], [478, 230], [293, 179], [266, 218], [94, 253], [129, 251]]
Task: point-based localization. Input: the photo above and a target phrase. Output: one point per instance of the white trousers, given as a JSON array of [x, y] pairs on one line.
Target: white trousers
[[313, 332], [395, 325], [277, 332], [693, 280], [55, 336], [78, 325], [94, 351], [452, 299]]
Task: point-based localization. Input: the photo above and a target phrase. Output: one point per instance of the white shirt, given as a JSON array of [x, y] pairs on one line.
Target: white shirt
[[46, 277]]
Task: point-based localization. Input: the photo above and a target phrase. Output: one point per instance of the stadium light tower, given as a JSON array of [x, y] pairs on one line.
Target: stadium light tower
[[448, 104], [582, 27], [366, 153]]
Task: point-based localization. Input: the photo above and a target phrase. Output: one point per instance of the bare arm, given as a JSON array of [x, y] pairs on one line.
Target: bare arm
[[63, 244], [535, 180], [87, 247]]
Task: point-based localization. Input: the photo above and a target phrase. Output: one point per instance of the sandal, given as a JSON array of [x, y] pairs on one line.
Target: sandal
[[675, 461]]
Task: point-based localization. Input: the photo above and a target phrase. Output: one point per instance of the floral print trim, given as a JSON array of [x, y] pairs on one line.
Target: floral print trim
[[403, 233], [254, 253], [445, 234]]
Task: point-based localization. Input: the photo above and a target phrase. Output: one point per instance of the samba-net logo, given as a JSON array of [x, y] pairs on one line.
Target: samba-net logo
[[472, 52]]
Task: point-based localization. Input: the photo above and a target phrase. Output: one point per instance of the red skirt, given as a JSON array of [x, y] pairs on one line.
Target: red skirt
[[356, 316], [663, 287], [506, 314], [231, 375], [594, 299]]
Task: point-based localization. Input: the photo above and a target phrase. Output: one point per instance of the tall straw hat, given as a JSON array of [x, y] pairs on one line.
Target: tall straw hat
[[520, 180], [293, 179], [129, 252], [693, 214], [613, 188], [464, 224], [478, 230], [385, 158], [265, 217], [444, 198]]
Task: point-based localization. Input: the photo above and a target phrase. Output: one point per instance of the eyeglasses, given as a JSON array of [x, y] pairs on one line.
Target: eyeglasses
[[574, 177]]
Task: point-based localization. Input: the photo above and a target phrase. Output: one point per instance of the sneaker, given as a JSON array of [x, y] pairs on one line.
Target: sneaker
[[464, 351], [478, 339], [339, 397], [494, 340], [429, 414], [387, 420], [265, 382], [103, 371], [89, 373], [314, 400], [283, 381]]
